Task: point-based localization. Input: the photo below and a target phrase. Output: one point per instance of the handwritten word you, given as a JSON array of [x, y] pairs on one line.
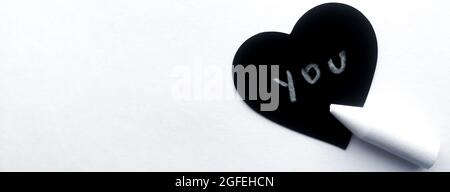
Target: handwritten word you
[[306, 74], [252, 71]]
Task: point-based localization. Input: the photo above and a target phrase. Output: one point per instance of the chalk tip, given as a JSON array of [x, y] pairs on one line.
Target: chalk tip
[[351, 117]]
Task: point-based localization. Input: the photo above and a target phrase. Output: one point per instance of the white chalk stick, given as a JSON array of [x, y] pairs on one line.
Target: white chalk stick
[[403, 134]]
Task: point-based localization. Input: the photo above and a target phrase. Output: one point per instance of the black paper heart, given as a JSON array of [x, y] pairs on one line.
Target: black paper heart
[[330, 57]]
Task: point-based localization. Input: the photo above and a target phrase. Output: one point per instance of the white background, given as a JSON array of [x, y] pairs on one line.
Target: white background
[[87, 85]]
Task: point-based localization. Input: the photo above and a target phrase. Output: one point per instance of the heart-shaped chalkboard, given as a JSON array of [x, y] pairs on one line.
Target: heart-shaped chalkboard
[[329, 57]]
